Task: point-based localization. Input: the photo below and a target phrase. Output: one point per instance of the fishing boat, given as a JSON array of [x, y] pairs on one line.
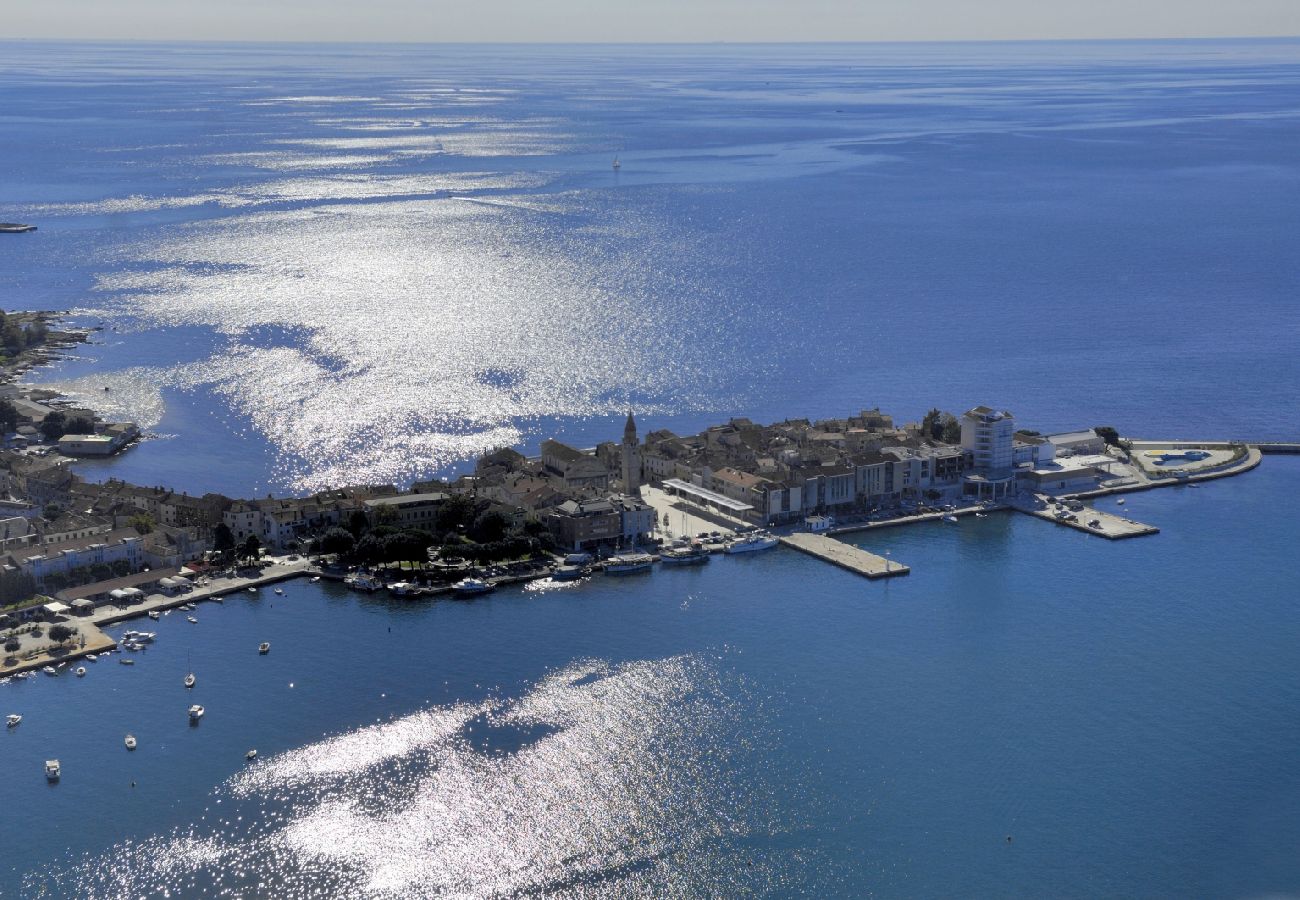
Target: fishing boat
[[264, 647], [12, 720], [130, 742], [81, 671], [315, 578], [252, 590], [191, 620], [50, 670], [279, 590], [196, 712], [403, 589], [363, 581], [154, 614], [127, 662], [1120, 501], [568, 573], [92, 657], [251, 755], [52, 770], [754, 541], [471, 587], [950, 519], [684, 556], [628, 563]]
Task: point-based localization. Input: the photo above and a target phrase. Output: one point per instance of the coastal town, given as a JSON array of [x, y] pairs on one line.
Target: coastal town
[[76, 554]]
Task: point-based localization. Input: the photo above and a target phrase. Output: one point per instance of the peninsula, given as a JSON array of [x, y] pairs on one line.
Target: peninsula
[[77, 554]]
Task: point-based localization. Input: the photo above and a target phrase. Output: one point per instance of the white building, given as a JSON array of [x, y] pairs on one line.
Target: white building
[[988, 435]]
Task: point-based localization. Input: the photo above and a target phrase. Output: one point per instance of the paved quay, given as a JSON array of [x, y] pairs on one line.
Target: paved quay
[[846, 556], [1108, 525], [273, 573]]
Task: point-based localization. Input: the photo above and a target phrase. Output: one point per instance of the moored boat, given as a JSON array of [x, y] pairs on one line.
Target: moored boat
[[471, 587], [251, 755], [12, 720], [749, 543], [53, 770], [264, 647], [628, 563], [50, 670], [196, 712], [190, 680], [130, 742], [568, 573], [81, 671], [363, 581], [950, 519], [684, 556]]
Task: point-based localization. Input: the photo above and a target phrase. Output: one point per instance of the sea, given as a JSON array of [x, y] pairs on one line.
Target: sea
[[314, 265]]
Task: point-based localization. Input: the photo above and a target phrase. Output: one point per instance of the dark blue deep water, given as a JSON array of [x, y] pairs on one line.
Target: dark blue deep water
[[320, 265]]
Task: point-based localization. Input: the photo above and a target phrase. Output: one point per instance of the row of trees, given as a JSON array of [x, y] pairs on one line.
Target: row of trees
[[58, 423], [386, 544], [57, 581]]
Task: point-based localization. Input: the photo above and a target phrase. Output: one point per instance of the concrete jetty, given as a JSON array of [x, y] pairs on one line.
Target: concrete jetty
[[1108, 525], [846, 556]]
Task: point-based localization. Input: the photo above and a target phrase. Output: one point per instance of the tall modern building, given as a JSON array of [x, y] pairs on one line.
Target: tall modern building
[[988, 435], [631, 457]]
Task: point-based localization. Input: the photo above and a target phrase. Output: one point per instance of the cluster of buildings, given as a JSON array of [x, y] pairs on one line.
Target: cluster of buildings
[[58, 528]]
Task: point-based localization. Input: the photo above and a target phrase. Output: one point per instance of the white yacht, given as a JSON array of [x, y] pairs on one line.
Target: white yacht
[[50, 670], [363, 581], [756, 540], [403, 589], [52, 770], [196, 712], [251, 755], [628, 563], [12, 719], [130, 742], [189, 680], [470, 587]]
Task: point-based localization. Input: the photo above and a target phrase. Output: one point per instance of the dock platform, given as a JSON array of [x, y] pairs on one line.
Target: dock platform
[[846, 556], [1108, 525]]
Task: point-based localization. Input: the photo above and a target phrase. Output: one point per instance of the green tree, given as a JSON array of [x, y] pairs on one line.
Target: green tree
[[52, 511], [931, 427], [455, 513], [358, 524], [489, 526], [12, 645], [142, 523], [337, 540], [60, 633], [251, 549], [120, 567], [1108, 434], [52, 426], [223, 539], [79, 425], [8, 415], [951, 433]]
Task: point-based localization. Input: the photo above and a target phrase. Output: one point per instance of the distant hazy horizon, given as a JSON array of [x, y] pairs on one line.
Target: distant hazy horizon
[[667, 21]]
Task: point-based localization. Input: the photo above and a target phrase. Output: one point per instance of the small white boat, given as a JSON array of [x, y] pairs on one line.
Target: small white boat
[[252, 590], [470, 587], [81, 671], [629, 564], [979, 515], [145, 637], [155, 615], [127, 662], [52, 770], [950, 519], [50, 670], [251, 755], [264, 647], [196, 712], [130, 742], [315, 578], [12, 719], [1120, 501], [279, 590], [189, 680], [92, 657], [758, 540], [191, 620]]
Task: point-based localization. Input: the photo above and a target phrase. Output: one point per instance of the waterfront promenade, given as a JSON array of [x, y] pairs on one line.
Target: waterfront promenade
[[846, 556]]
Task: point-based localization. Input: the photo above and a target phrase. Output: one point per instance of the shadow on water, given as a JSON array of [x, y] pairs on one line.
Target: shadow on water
[[491, 736]]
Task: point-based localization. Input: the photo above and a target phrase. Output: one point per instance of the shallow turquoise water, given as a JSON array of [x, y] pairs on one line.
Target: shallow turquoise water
[[1126, 711]]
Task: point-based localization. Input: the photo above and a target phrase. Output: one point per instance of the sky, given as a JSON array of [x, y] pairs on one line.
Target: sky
[[643, 20]]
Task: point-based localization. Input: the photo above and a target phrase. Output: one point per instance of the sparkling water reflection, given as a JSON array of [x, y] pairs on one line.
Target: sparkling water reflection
[[602, 780]]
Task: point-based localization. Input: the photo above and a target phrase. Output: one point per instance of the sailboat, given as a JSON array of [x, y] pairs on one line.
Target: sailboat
[[189, 678]]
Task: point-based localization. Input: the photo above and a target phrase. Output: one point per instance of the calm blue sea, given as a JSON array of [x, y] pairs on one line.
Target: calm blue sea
[[319, 265]]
